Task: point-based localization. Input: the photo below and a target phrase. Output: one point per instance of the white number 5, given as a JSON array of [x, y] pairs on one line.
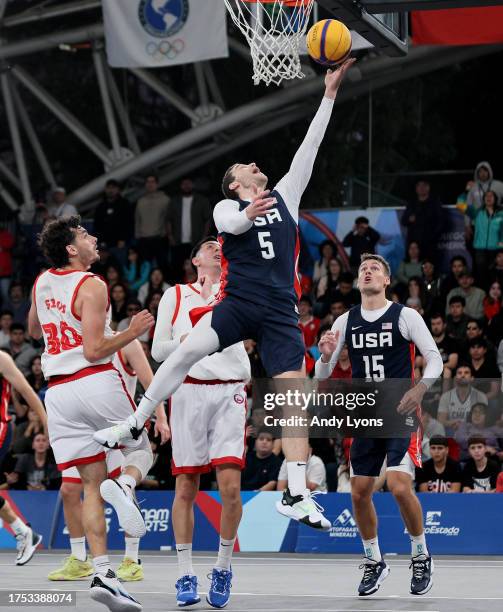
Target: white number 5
[[267, 247]]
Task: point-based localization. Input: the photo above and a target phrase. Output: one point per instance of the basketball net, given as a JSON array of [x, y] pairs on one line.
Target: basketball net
[[274, 30]]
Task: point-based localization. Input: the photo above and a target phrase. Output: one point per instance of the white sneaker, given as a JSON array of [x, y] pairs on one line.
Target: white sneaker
[[110, 592], [303, 508], [123, 500], [26, 545], [126, 433]]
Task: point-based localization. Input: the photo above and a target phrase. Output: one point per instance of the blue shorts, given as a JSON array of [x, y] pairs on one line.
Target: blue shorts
[[279, 339], [5, 438], [367, 455]]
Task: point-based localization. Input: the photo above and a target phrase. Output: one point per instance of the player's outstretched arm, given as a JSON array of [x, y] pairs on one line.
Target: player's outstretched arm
[[14, 376], [293, 184], [92, 301]]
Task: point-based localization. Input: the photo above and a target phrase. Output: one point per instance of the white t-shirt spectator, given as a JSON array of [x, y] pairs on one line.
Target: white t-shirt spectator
[[315, 472], [451, 404]]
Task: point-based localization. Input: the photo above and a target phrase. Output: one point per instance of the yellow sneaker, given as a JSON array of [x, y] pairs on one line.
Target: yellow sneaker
[[72, 569], [130, 571]]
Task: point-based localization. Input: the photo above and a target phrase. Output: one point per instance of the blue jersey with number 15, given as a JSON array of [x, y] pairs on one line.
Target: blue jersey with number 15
[[260, 265]]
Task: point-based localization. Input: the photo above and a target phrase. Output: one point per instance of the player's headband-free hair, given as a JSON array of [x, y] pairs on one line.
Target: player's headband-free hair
[[381, 260], [197, 248]]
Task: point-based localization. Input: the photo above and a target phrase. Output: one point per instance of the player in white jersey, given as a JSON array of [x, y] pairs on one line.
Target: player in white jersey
[[132, 366], [207, 420], [71, 310], [12, 378]]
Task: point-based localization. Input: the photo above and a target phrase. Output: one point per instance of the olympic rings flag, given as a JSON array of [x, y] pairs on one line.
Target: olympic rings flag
[[160, 33]]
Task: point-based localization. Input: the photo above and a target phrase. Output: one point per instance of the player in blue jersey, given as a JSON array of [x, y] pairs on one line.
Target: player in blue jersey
[[380, 336], [258, 299]]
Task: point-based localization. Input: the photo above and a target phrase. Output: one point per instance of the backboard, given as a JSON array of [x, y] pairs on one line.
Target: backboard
[[387, 32]]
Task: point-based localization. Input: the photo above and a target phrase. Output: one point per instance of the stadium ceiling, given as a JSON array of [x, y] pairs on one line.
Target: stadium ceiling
[[215, 128]]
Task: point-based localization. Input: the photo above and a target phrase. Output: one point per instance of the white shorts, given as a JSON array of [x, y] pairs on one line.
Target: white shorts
[[114, 459], [207, 426], [80, 404]]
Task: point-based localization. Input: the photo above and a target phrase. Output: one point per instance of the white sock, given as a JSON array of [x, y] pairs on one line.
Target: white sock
[[78, 546], [419, 545], [132, 546], [184, 554], [128, 480], [144, 411], [225, 549], [371, 549], [296, 471], [101, 564], [18, 527]]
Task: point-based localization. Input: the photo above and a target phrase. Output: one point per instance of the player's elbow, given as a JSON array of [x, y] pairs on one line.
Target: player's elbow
[[92, 354], [157, 353]]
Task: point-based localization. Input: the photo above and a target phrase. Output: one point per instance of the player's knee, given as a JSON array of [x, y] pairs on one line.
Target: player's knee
[[141, 459], [400, 490], [186, 488], [70, 492], [361, 496], [230, 493]]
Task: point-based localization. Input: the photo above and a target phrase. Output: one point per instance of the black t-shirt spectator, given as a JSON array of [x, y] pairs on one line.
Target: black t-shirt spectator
[[258, 472], [438, 482], [480, 481], [488, 369], [33, 475], [447, 347], [361, 244]]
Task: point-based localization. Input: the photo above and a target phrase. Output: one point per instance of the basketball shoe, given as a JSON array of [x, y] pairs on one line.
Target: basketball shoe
[[72, 569], [106, 589], [186, 591], [26, 545], [123, 500], [422, 572], [129, 570], [303, 508], [374, 574], [126, 433]]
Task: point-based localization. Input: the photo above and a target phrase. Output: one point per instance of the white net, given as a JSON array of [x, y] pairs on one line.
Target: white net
[[274, 30]]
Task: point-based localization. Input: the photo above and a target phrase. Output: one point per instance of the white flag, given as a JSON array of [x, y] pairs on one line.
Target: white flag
[[160, 33]]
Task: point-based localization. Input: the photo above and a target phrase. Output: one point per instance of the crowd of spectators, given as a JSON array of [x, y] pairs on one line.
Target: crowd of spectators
[[144, 249]]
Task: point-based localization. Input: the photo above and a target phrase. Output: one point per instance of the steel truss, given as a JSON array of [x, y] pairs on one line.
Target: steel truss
[[215, 129]]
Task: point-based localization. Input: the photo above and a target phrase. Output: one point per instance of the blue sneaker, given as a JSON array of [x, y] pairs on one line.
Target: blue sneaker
[[186, 591], [220, 588]]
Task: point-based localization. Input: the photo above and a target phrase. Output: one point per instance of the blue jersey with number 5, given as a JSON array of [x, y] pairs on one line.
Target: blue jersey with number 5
[[260, 265]]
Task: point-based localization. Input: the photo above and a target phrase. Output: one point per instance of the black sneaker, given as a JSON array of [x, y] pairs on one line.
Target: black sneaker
[[422, 571], [374, 574], [303, 508]]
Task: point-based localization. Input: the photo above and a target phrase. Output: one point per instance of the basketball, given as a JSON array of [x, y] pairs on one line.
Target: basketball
[[329, 42]]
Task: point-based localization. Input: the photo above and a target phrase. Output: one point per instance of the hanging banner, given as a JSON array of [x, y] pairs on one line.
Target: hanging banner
[[465, 26], [160, 33]]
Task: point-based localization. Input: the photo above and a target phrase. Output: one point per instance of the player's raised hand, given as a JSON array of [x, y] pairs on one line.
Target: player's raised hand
[[327, 345], [260, 204], [206, 286], [333, 78], [141, 322]]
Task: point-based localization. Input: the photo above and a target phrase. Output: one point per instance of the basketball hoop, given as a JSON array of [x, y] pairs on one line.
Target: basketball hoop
[[274, 30]]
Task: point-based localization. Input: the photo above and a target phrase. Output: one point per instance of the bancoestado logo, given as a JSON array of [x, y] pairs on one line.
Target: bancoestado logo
[[344, 526], [433, 525]]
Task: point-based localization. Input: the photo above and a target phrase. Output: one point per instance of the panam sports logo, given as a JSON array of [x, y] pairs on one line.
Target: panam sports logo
[[344, 526], [433, 525]]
